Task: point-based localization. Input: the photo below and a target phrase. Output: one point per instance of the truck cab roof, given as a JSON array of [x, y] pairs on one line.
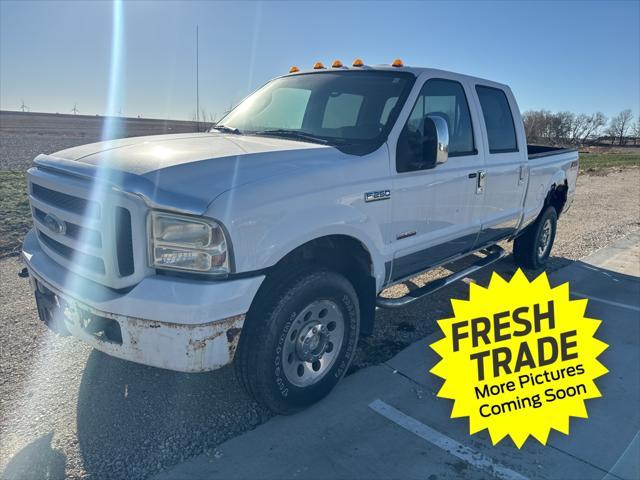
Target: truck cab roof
[[416, 71]]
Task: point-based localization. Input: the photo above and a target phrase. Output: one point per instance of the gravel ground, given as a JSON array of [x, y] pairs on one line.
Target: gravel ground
[[66, 410]]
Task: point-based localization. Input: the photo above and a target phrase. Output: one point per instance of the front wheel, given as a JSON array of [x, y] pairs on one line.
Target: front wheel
[[533, 247], [298, 344]]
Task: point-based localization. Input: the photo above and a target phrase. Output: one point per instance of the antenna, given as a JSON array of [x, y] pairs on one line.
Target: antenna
[[23, 107], [197, 83], [75, 110]]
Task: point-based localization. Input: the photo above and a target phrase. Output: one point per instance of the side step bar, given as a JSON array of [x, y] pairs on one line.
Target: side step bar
[[494, 253]]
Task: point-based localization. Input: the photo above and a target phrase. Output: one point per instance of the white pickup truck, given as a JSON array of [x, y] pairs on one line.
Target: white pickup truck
[[268, 240]]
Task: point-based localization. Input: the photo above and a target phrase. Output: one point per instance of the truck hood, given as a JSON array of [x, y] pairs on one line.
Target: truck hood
[[185, 171]]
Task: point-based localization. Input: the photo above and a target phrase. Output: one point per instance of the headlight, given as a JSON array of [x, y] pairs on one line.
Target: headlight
[[187, 243]]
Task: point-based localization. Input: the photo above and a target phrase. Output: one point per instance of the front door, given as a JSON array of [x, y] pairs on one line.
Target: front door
[[437, 211]]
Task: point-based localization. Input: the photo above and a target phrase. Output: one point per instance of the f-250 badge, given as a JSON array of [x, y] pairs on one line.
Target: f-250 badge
[[378, 195]]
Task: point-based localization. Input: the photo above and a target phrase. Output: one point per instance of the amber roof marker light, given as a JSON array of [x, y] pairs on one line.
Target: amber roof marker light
[[358, 63], [336, 64], [294, 69], [318, 66], [397, 63]]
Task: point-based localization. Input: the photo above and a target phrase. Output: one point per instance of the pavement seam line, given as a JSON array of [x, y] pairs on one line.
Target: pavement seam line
[[622, 455], [608, 302], [395, 371], [449, 445], [575, 457]]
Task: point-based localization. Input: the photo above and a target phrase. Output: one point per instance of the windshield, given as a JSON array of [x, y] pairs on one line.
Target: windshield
[[351, 110]]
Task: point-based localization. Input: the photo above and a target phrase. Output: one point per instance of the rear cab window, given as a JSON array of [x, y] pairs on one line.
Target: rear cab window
[[498, 119], [342, 110]]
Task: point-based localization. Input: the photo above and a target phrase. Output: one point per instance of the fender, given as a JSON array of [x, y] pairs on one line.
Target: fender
[[543, 198], [558, 178], [539, 192], [320, 222], [264, 234]]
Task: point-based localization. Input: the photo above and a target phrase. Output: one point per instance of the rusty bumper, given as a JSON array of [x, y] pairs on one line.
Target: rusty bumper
[[177, 324]]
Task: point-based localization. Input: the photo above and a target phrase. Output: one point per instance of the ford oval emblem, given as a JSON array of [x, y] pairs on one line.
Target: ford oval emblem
[[54, 224]]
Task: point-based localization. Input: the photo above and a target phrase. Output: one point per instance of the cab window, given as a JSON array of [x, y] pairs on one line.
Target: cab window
[[446, 99], [498, 119], [285, 110], [342, 110], [353, 111]]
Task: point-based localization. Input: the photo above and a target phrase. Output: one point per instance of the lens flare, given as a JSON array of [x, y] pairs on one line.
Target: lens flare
[[112, 124], [105, 177]]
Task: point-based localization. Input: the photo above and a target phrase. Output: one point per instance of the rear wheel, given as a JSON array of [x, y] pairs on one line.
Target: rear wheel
[[298, 340], [533, 247]]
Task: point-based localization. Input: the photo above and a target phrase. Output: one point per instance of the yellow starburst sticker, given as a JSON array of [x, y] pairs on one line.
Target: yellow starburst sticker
[[519, 358]]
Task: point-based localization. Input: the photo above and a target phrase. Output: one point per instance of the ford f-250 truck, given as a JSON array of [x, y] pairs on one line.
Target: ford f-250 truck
[[267, 240]]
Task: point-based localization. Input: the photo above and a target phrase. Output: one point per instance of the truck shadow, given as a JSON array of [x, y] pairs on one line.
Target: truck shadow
[[36, 461], [133, 420]]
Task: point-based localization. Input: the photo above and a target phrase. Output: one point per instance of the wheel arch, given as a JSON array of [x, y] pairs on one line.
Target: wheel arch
[[556, 196], [342, 253]]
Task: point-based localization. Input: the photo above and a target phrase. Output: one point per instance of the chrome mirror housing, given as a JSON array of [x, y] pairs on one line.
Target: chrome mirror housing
[[442, 138]]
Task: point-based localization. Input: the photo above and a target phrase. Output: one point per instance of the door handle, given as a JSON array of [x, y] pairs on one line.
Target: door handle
[[473, 174], [482, 179], [522, 175]]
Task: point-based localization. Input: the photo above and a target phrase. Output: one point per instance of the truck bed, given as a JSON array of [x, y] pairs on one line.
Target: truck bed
[[538, 151]]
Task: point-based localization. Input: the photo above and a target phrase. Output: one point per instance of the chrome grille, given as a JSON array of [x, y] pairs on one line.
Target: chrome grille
[[89, 262], [99, 238], [76, 232], [66, 202]]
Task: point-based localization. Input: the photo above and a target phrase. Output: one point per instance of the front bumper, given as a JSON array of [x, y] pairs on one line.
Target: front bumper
[[167, 322]]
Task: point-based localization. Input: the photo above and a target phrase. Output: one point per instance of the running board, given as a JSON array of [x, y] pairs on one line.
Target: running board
[[494, 253]]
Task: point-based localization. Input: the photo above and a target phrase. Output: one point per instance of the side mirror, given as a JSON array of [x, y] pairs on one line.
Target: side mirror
[[436, 141], [423, 147]]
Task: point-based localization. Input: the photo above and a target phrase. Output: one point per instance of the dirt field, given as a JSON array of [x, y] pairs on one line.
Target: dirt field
[[23, 136]]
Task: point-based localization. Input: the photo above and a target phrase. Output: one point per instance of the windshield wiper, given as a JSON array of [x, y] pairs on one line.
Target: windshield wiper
[[224, 128], [283, 132]]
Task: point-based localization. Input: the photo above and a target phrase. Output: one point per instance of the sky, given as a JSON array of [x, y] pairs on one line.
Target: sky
[[579, 56]]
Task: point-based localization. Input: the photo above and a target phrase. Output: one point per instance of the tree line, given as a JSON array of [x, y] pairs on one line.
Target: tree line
[[566, 128]]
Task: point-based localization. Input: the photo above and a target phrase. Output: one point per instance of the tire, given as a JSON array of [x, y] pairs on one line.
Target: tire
[[533, 247], [298, 340]]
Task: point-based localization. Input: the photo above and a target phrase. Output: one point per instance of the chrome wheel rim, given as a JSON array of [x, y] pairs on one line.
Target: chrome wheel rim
[[545, 238], [313, 343]]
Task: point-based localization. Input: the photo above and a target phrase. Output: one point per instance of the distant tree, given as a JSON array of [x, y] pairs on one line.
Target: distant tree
[[579, 125], [636, 131], [533, 124], [594, 127], [619, 126], [542, 126], [563, 122]]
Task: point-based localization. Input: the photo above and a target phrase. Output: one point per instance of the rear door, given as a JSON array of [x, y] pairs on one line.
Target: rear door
[[436, 212], [504, 178]]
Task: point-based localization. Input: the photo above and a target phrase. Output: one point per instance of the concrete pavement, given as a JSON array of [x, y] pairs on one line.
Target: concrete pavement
[[386, 422]]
